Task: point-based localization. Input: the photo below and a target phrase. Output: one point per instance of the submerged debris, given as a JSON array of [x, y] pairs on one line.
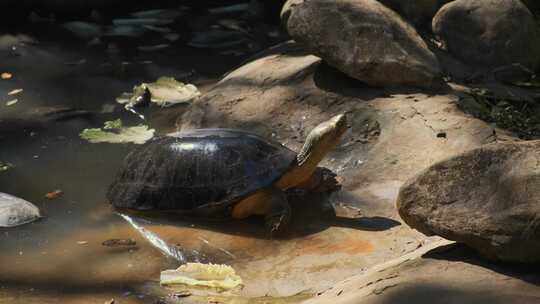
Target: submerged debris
[[118, 133], [217, 39], [157, 14], [84, 30], [220, 277], [15, 211], [142, 21], [119, 242], [125, 31], [151, 48]]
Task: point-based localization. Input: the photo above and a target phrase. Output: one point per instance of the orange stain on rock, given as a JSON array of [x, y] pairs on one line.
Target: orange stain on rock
[[320, 245]]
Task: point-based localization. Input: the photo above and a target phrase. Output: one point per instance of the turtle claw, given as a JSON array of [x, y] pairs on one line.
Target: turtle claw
[[274, 225]]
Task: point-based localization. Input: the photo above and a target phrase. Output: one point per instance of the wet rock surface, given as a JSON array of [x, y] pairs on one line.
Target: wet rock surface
[[489, 33], [365, 40], [486, 198]]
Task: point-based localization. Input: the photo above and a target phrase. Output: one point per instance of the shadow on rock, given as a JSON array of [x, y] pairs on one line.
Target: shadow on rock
[[330, 79], [374, 223], [462, 253]]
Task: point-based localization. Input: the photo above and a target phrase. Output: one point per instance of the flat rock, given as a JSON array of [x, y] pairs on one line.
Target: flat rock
[[489, 33], [486, 198], [365, 40]]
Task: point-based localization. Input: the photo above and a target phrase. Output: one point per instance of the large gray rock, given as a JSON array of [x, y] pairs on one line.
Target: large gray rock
[[363, 39], [487, 198], [489, 33], [418, 12]]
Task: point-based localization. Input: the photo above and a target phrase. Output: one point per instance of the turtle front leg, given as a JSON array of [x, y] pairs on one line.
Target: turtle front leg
[[278, 214], [322, 180]]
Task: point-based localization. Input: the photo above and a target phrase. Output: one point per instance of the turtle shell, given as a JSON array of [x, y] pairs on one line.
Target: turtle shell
[[204, 171]]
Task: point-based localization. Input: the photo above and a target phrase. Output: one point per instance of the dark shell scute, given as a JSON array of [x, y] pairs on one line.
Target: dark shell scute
[[198, 170]]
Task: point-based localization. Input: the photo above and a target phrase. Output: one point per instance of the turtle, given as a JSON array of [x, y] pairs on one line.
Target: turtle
[[223, 173]]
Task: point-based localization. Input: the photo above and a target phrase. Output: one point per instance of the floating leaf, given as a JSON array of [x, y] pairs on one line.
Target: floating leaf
[[6, 76], [138, 134], [165, 92], [221, 277]]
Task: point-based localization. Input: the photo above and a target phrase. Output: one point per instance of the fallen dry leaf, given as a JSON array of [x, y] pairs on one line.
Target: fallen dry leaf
[[82, 242], [54, 194]]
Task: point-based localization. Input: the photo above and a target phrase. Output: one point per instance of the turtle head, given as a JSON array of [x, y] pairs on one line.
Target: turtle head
[[323, 138]]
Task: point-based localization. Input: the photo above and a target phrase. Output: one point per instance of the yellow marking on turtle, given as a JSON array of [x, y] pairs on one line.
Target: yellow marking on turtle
[[256, 204]]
